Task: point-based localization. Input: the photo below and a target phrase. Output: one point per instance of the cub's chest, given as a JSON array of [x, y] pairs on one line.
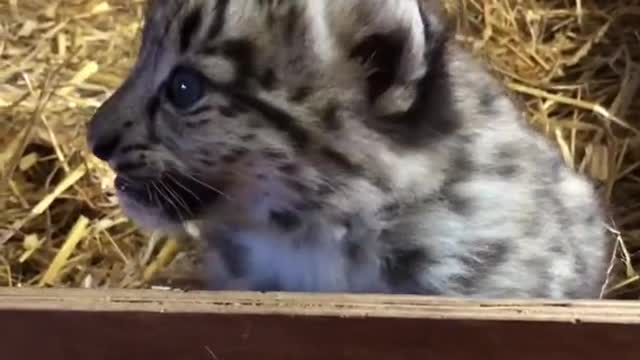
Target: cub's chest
[[268, 262]]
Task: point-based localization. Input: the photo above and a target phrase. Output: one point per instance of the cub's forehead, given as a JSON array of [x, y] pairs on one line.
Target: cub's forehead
[[196, 15]]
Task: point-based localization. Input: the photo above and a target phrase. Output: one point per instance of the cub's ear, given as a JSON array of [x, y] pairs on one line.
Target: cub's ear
[[393, 41]]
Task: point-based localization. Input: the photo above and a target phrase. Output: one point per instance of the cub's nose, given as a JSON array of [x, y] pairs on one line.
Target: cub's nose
[[103, 136]]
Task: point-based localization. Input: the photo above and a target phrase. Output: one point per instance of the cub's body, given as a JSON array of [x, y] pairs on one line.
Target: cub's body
[[344, 146]]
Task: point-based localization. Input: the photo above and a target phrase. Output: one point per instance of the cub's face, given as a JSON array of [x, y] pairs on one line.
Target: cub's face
[[266, 110]]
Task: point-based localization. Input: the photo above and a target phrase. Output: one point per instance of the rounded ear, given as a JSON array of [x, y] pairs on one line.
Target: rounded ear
[[392, 40]]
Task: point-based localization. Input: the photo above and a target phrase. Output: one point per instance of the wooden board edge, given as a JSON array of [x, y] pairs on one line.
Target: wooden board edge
[[335, 305]]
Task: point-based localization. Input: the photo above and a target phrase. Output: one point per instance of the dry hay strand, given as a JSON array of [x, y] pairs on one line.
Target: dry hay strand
[[574, 65]]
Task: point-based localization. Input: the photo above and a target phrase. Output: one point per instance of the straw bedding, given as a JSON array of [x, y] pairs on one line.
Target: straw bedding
[[574, 65]]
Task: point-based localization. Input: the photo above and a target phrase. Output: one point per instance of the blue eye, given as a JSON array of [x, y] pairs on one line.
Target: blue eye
[[185, 88]]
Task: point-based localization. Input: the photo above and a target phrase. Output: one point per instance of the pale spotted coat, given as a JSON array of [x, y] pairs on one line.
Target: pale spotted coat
[[343, 146]]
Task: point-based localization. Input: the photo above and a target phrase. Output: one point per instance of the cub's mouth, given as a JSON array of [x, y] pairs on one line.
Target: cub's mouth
[[179, 196]]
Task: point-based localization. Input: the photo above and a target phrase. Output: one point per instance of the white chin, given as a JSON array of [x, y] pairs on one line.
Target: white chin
[[148, 218]]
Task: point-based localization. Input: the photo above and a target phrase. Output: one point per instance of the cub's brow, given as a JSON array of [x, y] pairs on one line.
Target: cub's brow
[[195, 18]]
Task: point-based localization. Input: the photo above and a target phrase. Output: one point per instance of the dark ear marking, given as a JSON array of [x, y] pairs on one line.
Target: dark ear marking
[[431, 116], [190, 27], [381, 55]]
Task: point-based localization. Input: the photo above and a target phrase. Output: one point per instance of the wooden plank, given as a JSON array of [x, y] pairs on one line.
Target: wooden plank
[[57, 324]]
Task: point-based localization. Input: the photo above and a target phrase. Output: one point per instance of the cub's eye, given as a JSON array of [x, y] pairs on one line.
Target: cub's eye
[[185, 88]]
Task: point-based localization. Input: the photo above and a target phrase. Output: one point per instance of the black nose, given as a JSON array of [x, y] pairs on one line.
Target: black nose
[[103, 136], [105, 146]]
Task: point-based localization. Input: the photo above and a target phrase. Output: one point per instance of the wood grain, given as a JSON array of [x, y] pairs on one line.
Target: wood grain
[[123, 324]]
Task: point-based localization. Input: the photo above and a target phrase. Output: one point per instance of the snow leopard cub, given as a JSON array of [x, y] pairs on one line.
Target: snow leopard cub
[[343, 146]]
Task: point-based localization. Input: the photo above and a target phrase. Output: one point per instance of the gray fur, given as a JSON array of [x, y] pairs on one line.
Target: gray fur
[[407, 170]]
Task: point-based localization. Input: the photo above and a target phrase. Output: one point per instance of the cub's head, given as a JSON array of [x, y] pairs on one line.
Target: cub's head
[[267, 110]]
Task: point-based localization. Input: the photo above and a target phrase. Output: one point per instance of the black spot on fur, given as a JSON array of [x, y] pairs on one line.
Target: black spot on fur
[[128, 124], [248, 137], [459, 172], [234, 156], [558, 249], [285, 219], [506, 160], [507, 153], [353, 251], [230, 158], [268, 79], [403, 264], [391, 211], [487, 101], [219, 20], [190, 27], [507, 170], [330, 117], [580, 264], [240, 151], [300, 94]]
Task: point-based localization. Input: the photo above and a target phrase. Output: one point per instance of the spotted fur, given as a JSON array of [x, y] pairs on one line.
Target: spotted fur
[[343, 146]]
